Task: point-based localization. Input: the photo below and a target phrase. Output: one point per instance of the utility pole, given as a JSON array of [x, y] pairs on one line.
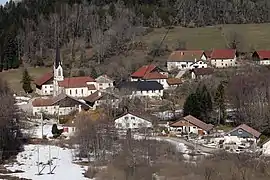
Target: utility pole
[[50, 160], [38, 159], [41, 125]]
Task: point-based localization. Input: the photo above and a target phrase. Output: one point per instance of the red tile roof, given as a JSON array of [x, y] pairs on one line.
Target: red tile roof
[[75, 82], [223, 54], [248, 129], [264, 54], [154, 75], [141, 72], [192, 120], [185, 55], [45, 78], [208, 54]]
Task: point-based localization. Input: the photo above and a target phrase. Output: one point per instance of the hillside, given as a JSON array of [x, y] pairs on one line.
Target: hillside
[[253, 36]]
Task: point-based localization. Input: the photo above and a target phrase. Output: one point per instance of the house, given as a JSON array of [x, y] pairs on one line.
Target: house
[[77, 86], [54, 83], [187, 59], [266, 148], [222, 58], [151, 73], [174, 82], [58, 105], [99, 98], [200, 73], [261, 57], [44, 84], [104, 82], [135, 120], [141, 88], [190, 124], [244, 131]]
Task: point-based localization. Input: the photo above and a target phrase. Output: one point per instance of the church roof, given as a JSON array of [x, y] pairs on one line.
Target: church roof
[[45, 78], [76, 82]]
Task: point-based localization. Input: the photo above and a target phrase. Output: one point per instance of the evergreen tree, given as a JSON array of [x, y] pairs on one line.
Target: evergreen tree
[[26, 82], [199, 104], [94, 73], [220, 103]]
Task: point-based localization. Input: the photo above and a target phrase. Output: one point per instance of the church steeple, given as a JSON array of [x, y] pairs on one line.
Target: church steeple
[[57, 61], [57, 71]]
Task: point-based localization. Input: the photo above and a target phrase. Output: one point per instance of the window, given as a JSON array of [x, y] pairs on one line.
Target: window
[[134, 124], [126, 118], [70, 92], [222, 60], [100, 84], [59, 72], [76, 91], [119, 125], [127, 125], [133, 118], [222, 64], [240, 131], [140, 125], [82, 91], [45, 91]]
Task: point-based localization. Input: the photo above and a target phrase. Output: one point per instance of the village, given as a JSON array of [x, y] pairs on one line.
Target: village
[[61, 96]]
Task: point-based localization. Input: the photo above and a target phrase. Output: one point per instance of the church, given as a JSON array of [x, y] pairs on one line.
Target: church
[[54, 83]]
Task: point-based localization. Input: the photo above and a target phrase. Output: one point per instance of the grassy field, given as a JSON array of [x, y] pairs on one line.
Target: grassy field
[[14, 76], [254, 36]]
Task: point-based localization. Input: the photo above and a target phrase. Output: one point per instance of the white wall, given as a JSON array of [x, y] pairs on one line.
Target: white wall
[[156, 93], [46, 89], [264, 62], [199, 64], [223, 63], [204, 57], [79, 92], [104, 85], [53, 110], [131, 121], [178, 65], [185, 129]]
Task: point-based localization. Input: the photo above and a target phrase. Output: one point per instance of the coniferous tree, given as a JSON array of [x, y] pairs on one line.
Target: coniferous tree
[[26, 82], [191, 106], [220, 103], [94, 73]]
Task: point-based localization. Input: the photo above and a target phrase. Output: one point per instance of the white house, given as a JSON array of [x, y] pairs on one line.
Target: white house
[[104, 82], [266, 148], [141, 89], [58, 105], [261, 57], [55, 83], [190, 124], [135, 120], [151, 73], [186, 59], [222, 58]]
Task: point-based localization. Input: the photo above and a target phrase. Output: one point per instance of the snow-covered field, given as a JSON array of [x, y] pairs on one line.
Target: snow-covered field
[[61, 158]]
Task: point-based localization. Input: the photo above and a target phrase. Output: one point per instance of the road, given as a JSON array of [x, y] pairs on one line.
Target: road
[[191, 144]]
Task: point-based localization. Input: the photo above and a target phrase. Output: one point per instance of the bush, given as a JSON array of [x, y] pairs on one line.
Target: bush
[[91, 172]]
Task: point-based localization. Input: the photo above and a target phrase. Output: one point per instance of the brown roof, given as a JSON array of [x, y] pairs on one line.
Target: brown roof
[[154, 75], [208, 54], [45, 78], [142, 114], [93, 97], [174, 81], [75, 82], [192, 120], [42, 102], [248, 129], [203, 71], [187, 55], [223, 53]]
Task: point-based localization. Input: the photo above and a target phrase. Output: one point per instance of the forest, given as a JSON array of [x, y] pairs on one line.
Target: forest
[[29, 28]]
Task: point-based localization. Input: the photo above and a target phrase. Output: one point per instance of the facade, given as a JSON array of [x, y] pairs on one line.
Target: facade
[[266, 148], [200, 73], [190, 124], [244, 131], [141, 89], [223, 58], [58, 105], [261, 57], [104, 82], [187, 59], [100, 98], [55, 83], [134, 120], [151, 73]]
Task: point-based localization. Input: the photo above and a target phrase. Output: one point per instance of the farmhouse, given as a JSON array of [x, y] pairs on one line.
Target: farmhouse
[[244, 131], [200, 73], [99, 98], [141, 88], [188, 59], [151, 73], [190, 124], [222, 58], [261, 57], [104, 82], [55, 83], [135, 120], [58, 105]]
